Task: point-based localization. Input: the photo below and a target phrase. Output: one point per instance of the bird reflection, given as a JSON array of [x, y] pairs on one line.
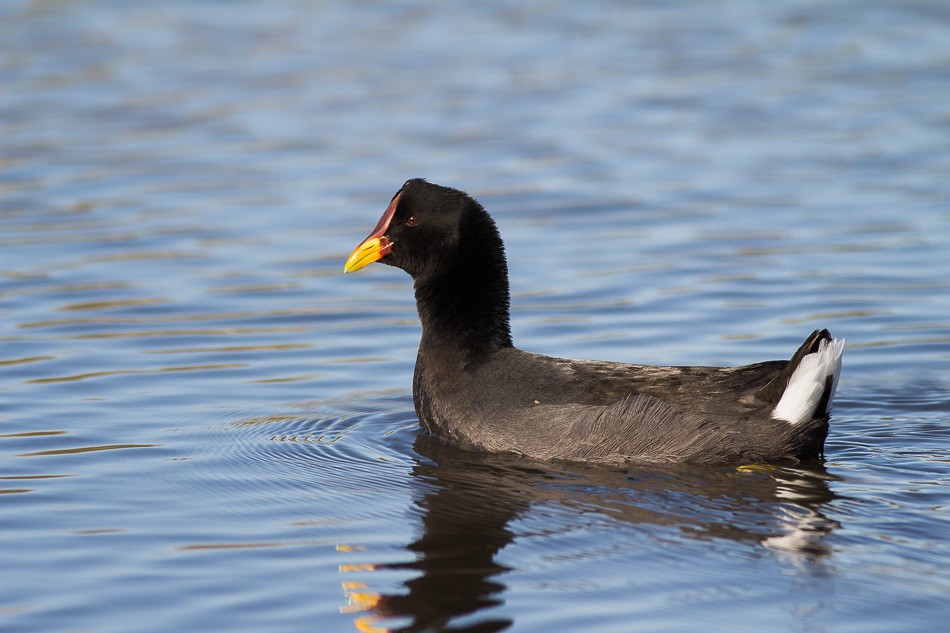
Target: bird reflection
[[467, 502]]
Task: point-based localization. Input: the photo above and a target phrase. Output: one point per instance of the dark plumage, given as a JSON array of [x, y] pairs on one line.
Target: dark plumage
[[474, 389]]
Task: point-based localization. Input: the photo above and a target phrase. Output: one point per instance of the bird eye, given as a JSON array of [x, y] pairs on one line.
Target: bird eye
[[411, 221]]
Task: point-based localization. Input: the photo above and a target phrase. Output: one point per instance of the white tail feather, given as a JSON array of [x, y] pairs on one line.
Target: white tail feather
[[800, 400]]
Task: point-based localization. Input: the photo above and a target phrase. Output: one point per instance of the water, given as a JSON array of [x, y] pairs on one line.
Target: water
[[205, 426]]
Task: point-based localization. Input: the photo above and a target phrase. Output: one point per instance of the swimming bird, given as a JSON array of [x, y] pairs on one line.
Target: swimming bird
[[474, 389]]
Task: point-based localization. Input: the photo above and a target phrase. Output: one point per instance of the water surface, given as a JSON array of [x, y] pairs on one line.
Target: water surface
[[205, 426]]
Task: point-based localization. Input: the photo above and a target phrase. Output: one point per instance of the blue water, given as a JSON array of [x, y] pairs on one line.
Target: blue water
[[205, 426]]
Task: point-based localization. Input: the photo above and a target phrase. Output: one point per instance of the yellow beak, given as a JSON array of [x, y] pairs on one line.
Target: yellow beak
[[371, 250], [376, 245]]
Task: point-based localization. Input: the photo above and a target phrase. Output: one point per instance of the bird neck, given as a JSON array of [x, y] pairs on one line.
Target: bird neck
[[464, 309]]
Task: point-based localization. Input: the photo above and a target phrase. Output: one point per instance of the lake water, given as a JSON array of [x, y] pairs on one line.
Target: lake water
[[205, 426]]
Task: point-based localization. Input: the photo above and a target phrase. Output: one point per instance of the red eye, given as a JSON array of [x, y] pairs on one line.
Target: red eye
[[411, 221]]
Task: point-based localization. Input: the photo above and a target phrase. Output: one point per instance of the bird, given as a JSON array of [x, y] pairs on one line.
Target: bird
[[473, 389]]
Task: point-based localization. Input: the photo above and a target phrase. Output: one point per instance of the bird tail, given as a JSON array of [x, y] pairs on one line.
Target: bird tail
[[812, 377]]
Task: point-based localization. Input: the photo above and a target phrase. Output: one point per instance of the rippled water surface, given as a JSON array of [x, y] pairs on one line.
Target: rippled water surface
[[205, 426]]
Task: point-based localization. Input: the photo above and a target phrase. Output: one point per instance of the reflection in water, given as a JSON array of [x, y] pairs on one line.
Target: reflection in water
[[468, 501]]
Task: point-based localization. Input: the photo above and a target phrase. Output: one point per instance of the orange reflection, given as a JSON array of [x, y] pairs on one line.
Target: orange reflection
[[359, 599]]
